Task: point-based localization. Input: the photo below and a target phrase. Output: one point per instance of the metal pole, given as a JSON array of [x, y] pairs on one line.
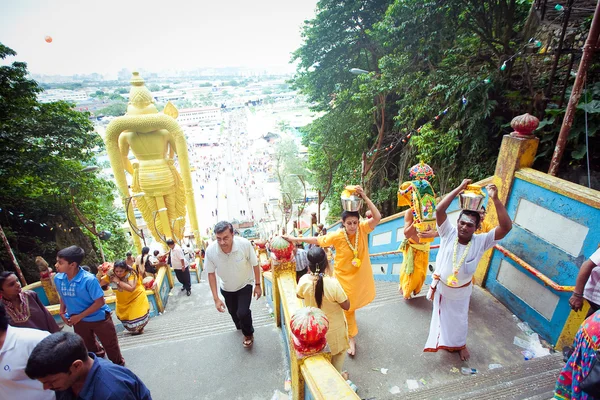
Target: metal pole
[[588, 51], [319, 207], [12, 257]]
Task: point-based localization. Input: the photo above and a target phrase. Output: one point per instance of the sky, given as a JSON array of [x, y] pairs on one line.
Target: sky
[[105, 36]]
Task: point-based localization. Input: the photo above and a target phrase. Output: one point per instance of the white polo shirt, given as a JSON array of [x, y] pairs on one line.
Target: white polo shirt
[[235, 268], [177, 256], [14, 383]]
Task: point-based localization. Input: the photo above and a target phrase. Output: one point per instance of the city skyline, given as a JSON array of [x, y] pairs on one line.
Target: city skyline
[[110, 36]]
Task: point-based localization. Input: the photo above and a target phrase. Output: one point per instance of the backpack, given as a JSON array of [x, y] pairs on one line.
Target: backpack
[[148, 266]]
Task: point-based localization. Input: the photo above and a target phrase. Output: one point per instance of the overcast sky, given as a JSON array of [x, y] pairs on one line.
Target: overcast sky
[[106, 35]]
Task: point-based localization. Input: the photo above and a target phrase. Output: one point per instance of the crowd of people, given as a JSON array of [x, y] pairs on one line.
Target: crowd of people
[[43, 357]]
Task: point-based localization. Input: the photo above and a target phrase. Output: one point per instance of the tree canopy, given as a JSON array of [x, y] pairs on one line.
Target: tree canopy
[[438, 81], [46, 146]]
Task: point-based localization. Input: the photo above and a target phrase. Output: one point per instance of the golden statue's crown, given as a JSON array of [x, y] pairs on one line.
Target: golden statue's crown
[[139, 95]]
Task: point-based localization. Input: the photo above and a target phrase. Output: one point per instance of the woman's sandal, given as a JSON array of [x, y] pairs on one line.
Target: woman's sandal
[[248, 341]]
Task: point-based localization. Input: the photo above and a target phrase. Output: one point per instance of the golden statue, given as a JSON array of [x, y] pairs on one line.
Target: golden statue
[[47, 281], [154, 138]]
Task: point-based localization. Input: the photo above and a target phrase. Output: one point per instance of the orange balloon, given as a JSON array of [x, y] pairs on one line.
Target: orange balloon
[[48, 39]]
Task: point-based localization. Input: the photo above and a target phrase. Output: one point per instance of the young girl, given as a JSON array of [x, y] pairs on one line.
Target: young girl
[[319, 289]]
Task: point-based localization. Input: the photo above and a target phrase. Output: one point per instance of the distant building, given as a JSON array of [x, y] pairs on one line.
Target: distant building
[[203, 116], [52, 95]]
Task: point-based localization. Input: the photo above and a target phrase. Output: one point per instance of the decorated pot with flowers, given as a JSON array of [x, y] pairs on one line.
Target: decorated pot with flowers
[[419, 195], [263, 260], [148, 282], [308, 326], [281, 249]]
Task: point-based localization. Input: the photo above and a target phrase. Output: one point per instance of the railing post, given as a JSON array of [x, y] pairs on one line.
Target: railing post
[[280, 269], [515, 153]]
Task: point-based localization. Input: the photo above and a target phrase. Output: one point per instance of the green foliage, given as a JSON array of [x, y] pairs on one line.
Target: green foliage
[[114, 109], [421, 58], [46, 147]]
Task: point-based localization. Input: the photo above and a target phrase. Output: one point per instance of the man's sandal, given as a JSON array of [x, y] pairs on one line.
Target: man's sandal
[[248, 341]]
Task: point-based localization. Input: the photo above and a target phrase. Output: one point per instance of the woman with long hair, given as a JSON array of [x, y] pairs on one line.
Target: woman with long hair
[[133, 309], [24, 308], [319, 289], [352, 266], [142, 260]]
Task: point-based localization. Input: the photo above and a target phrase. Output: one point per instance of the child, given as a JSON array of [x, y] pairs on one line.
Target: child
[[319, 289], [82, 305]]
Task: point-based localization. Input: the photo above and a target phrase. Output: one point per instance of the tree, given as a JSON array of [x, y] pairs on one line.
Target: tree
[[114, 109], [434, 90], [46, 146]]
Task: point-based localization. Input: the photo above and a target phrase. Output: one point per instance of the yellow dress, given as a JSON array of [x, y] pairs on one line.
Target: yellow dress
[[358, 282], [485, 227], [414, 267], [132, 307], [333, 294]]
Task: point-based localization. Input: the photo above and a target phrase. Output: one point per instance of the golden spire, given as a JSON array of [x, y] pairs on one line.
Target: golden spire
[[140, 98]]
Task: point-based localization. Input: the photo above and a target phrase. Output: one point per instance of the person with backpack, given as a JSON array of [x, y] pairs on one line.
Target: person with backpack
[[142, 261], [320, 289]]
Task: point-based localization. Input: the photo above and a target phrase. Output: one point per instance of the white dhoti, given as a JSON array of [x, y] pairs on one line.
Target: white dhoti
[[450, 318]]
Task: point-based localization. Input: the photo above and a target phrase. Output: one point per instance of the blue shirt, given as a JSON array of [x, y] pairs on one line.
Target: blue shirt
[[79, 294], [108, 381]]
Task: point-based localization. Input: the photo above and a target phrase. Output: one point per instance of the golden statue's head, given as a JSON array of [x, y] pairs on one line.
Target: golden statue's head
[[140, 98]]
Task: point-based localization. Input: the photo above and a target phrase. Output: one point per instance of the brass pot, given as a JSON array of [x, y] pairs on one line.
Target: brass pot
[[472, 198], [351, 202]]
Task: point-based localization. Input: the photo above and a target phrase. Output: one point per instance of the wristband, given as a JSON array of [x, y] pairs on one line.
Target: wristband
[[579, 295], [256, 284]]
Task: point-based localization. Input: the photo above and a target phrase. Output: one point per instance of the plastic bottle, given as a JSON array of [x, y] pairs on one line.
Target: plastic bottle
[[352, 385], [468, 371]]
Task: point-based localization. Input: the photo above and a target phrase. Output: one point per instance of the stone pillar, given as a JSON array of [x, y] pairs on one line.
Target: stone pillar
[[516, 152]]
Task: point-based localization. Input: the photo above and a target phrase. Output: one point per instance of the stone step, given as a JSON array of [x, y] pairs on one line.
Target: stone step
[[534, 379]]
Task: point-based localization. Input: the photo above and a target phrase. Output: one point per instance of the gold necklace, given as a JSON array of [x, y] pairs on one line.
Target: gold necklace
[[452, 279], [355, 261]]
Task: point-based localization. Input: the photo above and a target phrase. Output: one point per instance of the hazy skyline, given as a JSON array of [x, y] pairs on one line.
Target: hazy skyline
[[109, 35]]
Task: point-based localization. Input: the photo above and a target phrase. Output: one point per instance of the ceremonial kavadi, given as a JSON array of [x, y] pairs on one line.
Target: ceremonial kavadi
[[419, 195]]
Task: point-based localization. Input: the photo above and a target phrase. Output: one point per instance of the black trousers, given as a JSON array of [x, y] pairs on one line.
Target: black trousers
[[238, 305], [593, 308], [184, 278]]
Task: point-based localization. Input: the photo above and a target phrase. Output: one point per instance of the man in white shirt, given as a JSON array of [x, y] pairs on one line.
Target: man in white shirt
[[178, 262], [587, 285], [456, 262], [234, 259], [16, 344]]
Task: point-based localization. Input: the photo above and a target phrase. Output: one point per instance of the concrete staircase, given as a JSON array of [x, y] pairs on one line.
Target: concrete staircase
[[533, 380], [191, 317]]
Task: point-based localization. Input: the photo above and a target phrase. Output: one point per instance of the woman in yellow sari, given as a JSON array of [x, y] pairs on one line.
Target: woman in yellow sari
[[352, 266], [133, 308]]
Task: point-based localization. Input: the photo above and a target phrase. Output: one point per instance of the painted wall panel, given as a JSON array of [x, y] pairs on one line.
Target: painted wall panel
[[529, 215], [382, 238], [379, 269], [528, 290]]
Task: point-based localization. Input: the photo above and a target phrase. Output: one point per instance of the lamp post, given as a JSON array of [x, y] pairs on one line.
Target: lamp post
[[284, 215], [321, 196], [173, 222], [134, 228], [155, 214], [301, 210]]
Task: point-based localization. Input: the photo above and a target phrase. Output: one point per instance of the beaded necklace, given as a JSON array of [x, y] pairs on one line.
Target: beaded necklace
[[355, 261], [452, 279], [18, 314]]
